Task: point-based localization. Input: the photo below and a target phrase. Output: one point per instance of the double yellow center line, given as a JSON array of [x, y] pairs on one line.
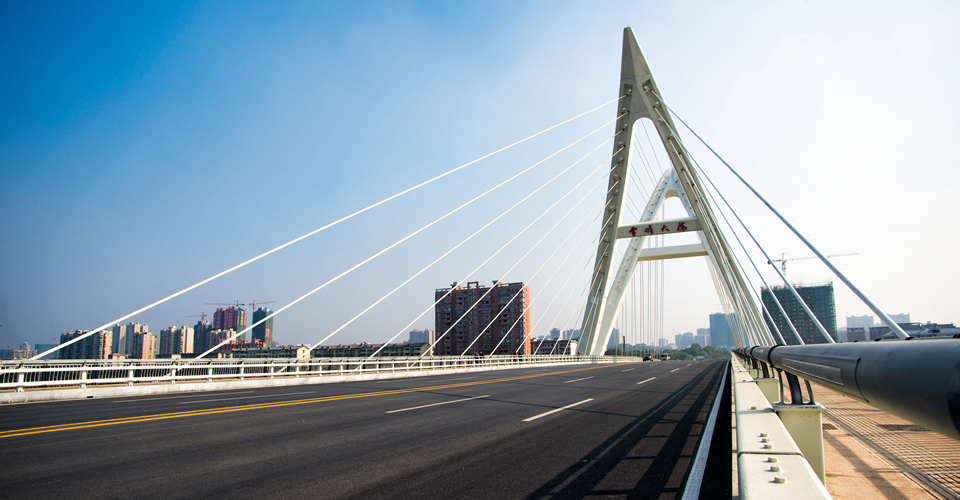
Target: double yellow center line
[[194, 413]]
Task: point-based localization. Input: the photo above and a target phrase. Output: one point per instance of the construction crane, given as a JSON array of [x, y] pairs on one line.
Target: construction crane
[[253, 303], [202, 316], [783, 260], [236, 304]]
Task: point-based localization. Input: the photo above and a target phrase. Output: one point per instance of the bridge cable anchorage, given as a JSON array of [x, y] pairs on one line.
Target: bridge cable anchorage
[[464, 315], [398, 242], [470, 237], [890, 323], [803, 304], [535, 245], [323, 228], [702, 194]]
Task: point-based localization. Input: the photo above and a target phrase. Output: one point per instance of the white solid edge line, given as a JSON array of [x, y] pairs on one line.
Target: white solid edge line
[[551, 412], [628, 369], [437, 404], [645, 381], [675, 369], [577, 380], [691, 490]]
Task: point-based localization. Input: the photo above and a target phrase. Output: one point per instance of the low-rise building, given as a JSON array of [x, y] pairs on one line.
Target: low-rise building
[[554, 346], [365, 350], [289, 351]]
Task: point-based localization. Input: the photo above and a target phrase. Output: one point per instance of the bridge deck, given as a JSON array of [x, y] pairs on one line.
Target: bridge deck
[[628, 430]]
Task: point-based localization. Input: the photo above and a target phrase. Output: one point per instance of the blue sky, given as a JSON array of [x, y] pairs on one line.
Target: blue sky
[[146, 147]]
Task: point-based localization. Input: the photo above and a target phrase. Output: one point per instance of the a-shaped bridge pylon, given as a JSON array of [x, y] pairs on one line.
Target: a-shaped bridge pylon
[[640, 98]]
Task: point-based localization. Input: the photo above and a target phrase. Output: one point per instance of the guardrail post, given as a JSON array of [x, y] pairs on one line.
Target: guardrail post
[[804, 421], [20, 377], [130, 377], [805, 425], [83, 378]]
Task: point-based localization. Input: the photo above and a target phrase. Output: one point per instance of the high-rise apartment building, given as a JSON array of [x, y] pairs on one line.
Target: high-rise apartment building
[[130, 329], [264, 331], [685, 340], [96, 346], [820, 300], [494, 320], [703, 337], [720, 335], [200, 332], [119, 342], [900, 318], [423, 337], [143, 345], [859, 321], [175, 340], [230, 318]]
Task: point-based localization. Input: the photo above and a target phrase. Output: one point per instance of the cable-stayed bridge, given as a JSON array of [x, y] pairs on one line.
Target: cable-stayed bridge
[[510, 424]]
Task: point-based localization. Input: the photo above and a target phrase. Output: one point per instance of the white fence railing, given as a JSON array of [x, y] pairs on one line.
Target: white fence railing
[[55, 374]]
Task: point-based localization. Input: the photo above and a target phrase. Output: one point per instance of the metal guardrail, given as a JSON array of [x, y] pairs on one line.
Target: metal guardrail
[[917, 380], [770, 463], [62, 374]]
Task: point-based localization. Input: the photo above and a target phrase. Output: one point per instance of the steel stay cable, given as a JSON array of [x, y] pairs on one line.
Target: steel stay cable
[[890, 323], [398, 242], [532, 299], [464, 315], [547, 233], [471, 236], [588, 251], [750, 233], [596, 272], [738, 301], [438, 301], [301, 238]]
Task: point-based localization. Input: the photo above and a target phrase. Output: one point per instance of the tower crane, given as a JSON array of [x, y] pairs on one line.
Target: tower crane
[[235, 303], [253, 303], [783, 260], [202, 316]]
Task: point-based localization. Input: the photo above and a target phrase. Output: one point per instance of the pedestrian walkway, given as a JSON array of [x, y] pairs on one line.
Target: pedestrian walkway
[[872, 454]]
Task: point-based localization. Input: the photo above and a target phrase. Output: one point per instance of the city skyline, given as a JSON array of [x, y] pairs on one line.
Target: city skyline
[[117, 149]]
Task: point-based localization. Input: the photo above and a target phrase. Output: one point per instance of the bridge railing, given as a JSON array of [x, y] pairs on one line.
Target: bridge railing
[[23, 375]]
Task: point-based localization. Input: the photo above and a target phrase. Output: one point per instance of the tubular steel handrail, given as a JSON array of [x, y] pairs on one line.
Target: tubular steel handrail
[[917, 380], [59, 374]]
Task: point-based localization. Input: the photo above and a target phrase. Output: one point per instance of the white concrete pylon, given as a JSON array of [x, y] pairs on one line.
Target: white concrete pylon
[[638, 99]]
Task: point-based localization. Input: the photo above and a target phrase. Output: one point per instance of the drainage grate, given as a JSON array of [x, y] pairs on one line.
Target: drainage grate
[[902, 427]]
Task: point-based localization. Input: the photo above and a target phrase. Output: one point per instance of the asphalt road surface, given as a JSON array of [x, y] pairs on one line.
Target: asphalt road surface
[[617, 431]]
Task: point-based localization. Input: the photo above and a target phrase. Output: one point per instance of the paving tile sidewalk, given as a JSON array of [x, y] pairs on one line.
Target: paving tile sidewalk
[[872, 454]]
